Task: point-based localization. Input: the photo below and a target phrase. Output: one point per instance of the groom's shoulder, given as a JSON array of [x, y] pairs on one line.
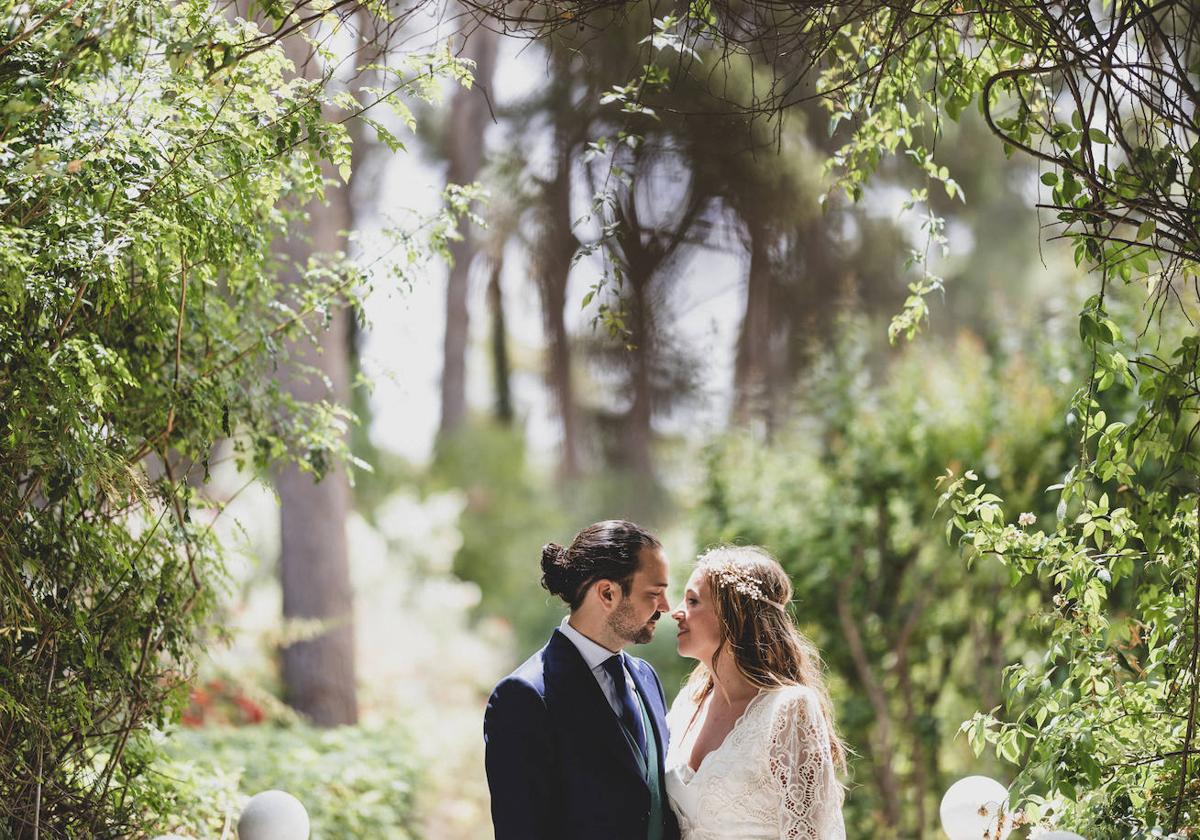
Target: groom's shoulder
[[644, 667], [518, 701], [530, 674], [639, 663]]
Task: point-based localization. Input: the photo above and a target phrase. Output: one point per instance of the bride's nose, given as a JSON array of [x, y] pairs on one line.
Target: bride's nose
[[677, 614]]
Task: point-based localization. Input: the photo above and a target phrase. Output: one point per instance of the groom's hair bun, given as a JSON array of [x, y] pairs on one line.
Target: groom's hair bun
[[608, 550], [553, 570]]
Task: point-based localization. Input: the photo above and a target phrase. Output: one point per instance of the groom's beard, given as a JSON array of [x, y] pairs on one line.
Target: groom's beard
[[626, 626]]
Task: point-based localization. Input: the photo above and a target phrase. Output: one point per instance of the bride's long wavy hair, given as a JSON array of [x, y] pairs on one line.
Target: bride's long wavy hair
[[751, 593]]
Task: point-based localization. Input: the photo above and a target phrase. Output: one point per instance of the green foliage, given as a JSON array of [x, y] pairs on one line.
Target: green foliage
[[1103, 97], [354, 781], [512, 509], [913, 640], [510, 514], [1098, 722], [138, 321], [1105, 726], [150, 153]]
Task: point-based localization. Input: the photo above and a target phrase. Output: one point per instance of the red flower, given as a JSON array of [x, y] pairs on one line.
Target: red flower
[[252, 711]]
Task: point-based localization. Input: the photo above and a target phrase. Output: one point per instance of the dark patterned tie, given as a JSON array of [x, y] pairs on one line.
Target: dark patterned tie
[[631, 718]]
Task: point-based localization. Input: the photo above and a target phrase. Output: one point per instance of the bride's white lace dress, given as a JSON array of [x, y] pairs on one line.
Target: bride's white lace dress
[[772, 777]]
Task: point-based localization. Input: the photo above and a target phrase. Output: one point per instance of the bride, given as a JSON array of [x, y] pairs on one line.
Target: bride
[[753, 752]]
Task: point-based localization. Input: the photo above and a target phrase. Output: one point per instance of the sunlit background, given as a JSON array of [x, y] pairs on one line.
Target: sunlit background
[[755, 398]]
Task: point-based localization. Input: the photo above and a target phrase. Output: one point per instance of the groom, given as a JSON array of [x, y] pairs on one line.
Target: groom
[[575, 737]]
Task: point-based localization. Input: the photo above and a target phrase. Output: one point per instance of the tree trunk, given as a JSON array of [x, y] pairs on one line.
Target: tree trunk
[[454, 346], [752, 363], [314, 563], [469, 114], [555, 246], [642, 257], [919, 779], [883, 743], [638, 455], [314, 566], [501, 366]]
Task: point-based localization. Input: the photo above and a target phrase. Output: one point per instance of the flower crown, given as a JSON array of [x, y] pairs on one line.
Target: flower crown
[[729, 574]]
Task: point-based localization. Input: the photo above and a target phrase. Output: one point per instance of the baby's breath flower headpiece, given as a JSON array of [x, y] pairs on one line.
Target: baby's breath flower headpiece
[[727, 574]]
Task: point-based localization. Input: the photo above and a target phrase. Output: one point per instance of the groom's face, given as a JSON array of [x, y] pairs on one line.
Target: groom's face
[[633, 619]]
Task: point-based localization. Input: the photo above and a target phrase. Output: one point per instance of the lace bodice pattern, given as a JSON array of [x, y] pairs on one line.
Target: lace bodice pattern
[[773, 778]]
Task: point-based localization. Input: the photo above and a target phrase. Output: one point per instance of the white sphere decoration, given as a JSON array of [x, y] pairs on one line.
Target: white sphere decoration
[[971, 808], [273, 815]]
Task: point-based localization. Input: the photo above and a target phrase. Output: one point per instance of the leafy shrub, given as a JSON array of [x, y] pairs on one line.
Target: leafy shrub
[[355, 781], [510, 513], [146, 164], [845, 497], [1103, 725]]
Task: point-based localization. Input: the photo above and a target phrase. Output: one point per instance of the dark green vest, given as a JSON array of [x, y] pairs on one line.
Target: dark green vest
[[651, 771]]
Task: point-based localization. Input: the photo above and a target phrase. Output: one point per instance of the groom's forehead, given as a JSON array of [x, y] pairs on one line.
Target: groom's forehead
[[653, 567]]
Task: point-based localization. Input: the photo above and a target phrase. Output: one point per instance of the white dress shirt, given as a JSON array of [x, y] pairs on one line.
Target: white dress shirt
[[595, 655]]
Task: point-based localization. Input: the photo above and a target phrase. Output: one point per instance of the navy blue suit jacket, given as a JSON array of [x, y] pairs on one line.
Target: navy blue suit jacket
[[558, 766]]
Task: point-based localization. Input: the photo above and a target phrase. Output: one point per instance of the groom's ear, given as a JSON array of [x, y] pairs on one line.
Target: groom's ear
[[607, 591]]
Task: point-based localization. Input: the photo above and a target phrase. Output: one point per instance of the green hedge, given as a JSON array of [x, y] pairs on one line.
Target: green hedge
[[358, 781]]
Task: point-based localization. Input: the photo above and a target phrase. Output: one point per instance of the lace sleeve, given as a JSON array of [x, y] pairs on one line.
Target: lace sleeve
[[802, 769]]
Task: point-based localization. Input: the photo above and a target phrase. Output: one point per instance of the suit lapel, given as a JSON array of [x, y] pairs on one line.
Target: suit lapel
[[650, 698], [583, 701]]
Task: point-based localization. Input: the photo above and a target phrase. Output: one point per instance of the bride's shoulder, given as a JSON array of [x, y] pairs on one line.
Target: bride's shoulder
[[794, 701]]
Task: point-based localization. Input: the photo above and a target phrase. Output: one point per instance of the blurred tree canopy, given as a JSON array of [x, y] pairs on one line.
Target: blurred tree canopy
[[152, 152], [1104, 100]]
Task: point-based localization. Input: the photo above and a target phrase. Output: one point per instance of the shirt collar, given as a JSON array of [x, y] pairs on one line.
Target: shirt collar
[[593, 653]]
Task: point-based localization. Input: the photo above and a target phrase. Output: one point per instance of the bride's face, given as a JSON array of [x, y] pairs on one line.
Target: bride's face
[[699, 631]]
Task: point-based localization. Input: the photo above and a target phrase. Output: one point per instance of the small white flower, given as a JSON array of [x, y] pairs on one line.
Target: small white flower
[[739, 579], [1026, 519]]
